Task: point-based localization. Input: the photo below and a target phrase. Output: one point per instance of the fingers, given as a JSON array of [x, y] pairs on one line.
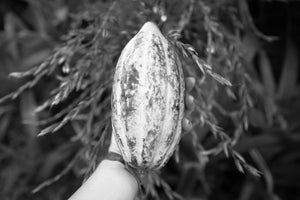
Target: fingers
[[189, 102], [186, 124], [189, 83], [189, 99]]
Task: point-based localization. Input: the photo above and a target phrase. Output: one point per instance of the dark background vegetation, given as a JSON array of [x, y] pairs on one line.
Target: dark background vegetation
[[67, 51]]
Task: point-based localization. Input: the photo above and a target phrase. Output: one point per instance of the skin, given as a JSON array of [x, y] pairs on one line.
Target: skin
[[111, 181]]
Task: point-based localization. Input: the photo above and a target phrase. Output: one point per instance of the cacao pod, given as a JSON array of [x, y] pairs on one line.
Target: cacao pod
[[148, 99]]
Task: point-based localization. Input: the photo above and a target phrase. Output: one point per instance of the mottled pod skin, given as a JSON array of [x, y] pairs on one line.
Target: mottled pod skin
[[148, 99]]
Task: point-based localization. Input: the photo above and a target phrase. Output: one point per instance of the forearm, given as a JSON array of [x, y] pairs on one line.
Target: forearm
[[110, 181]]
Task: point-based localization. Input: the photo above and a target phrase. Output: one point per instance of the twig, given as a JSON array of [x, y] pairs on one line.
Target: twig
[[101, 28], [259, 160], [58, 176], [186, 17], [244, 9]]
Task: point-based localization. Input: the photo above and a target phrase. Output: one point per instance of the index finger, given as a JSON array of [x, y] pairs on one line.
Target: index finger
[[190, 83]]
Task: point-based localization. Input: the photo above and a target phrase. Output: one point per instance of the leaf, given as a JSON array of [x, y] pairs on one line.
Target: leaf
[[230, 93], [27, 106], [261, 163], [221, 79], [289, 75], [257, 118], [35, 58], [247, 20], [238, 156], [251, 46], [252, 170], [17, 75], [266, 73], [239, 166], [49, 129], [58, 176]]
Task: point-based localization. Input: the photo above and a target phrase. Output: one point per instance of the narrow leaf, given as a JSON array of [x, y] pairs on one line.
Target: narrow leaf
[[220, 79], [288, 79], [266, 73]]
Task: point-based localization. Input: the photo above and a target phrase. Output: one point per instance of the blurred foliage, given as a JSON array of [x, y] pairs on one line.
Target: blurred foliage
[[57, 62]]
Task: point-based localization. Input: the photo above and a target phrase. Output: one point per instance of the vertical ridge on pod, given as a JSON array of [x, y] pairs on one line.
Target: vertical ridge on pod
[[148, 99]]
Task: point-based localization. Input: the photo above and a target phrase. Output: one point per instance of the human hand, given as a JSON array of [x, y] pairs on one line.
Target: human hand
[[189, 103], [186, 123]]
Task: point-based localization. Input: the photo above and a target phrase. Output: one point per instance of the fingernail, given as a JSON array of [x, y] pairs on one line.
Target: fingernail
[[188, 122], [191, 98], [192, 79]]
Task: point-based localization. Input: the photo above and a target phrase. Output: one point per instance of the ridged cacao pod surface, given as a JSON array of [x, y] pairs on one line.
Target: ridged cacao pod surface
[[148, 99]]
